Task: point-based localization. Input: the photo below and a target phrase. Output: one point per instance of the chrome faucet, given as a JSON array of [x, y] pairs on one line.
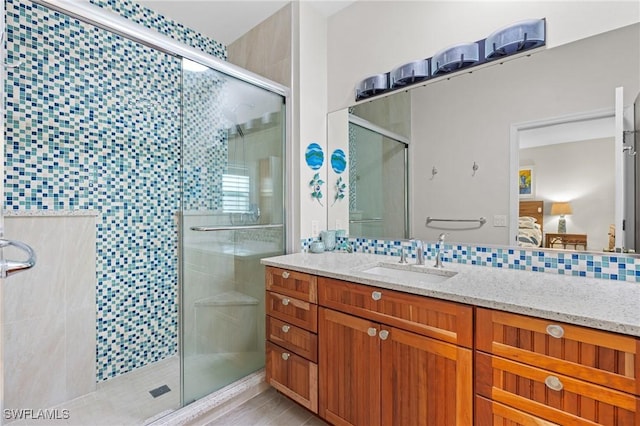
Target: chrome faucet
[[439, 252], [419, 252]]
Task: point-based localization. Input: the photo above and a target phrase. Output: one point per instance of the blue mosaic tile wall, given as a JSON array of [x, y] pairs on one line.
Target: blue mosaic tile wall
[[614, 266], [93, 121], [205, 141], [150, 19]]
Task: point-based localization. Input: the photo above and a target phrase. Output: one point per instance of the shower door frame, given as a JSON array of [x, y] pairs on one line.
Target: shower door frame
[[109, 21]]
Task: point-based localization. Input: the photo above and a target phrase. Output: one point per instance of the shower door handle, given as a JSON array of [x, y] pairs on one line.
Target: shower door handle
[[234, 227], [10, 267]]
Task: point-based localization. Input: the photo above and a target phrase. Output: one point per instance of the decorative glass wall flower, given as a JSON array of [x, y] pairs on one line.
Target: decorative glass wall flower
[[314, 156], [316, 185], [341, 187]]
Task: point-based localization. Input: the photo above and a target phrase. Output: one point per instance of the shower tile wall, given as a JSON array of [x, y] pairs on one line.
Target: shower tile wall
[[205, 142], [93, 122]]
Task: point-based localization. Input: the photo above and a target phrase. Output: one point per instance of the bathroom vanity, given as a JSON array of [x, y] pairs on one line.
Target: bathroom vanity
[[359, 339]]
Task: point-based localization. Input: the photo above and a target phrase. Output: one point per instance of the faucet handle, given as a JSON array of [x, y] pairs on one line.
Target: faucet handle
[[403, 257]]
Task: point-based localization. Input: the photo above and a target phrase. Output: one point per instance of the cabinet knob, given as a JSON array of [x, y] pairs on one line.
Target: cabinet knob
[[553, 383], [372, 331], [384, 334], [555, 330], [376, 295], [285, 275], [285, 356], [285, 302], [285, 328]]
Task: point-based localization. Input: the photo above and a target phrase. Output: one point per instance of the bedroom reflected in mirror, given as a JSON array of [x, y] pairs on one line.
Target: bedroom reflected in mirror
[[570, 201]]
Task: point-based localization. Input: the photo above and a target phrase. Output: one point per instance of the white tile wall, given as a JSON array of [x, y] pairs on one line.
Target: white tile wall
[[49, 318]]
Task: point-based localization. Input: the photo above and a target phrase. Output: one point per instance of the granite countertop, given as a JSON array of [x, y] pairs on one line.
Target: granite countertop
[[602, 304]]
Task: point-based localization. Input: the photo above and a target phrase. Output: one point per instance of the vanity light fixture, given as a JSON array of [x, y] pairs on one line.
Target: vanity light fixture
[[509, 40], [372, 85], [410, 73], [514, 38], [561, 209], [454, 58]]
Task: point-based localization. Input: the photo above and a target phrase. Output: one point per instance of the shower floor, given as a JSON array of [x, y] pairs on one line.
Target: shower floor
[[125, 400]]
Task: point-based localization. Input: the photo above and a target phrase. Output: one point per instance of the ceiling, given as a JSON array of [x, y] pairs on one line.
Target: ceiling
[[224, 20]]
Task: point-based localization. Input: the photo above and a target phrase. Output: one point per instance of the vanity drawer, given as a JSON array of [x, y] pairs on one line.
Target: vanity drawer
[[293, 311], [493, 413], [554, 397], [292, 375], [447, 321], [601, 357], [295, 339], [291, 283]]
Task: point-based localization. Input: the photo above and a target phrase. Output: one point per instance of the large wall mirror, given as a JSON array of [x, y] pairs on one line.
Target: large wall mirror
[[465, 161]]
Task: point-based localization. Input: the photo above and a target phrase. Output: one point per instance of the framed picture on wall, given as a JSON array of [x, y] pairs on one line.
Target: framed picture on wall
[[526, 182]]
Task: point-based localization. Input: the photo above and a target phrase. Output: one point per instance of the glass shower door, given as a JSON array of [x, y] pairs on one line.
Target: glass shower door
[[377, 184], [232, 216]]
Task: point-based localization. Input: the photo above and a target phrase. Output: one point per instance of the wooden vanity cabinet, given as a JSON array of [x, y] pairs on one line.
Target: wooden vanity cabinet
[[379, 365], [292, 325], [530, 368]]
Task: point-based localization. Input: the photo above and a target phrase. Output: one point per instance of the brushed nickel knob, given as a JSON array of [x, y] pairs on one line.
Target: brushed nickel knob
[[372, 332], [285, 328], [553, 383], [285, 275], [285, 302], [555, 330], [384, 334], [285, 356], [376, 295]]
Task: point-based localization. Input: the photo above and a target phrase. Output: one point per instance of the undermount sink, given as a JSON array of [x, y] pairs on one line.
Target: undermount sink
[[410, 272]]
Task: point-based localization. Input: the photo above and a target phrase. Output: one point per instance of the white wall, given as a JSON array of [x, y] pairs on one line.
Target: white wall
[[371, 37], [582, 173], [456, 122], [311, 98]]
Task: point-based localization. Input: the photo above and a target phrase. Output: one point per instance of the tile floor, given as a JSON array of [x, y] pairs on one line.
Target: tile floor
[[269, 408], [126, 401]]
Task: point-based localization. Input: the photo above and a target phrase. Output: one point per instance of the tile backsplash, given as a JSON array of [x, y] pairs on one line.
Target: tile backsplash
[[609, 266]]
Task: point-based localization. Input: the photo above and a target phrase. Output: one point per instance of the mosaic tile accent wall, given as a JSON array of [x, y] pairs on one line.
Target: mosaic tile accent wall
[[93, 122], [151, 19], [205, 141], [617, 267]]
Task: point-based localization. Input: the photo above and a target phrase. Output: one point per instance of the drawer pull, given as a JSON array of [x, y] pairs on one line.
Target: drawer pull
[[285, 356], [553, 383], [376, 295], [556, 331], [285, 275], [285, 328], [384, 334], [372, 332], [285, 302]]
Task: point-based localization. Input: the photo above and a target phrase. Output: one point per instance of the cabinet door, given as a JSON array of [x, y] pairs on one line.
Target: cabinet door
[[292, 375], [424, 381], [349, 369]]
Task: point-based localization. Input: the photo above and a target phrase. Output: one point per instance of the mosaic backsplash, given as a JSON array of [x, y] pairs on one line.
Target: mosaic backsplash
[[93, 121], [605, 266]]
